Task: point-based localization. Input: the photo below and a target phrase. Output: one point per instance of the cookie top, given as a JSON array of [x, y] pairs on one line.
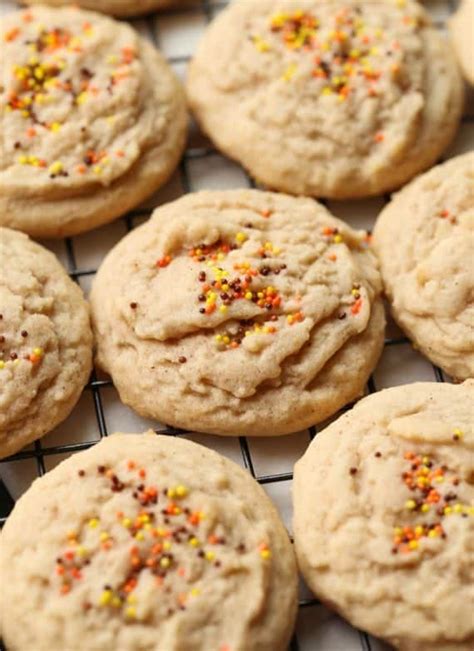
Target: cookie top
[[327, 98], [114, 7], [168, 546], [45, 342], [384, 516], [93, 119], [460, 27], [239, 312], [425, 241]]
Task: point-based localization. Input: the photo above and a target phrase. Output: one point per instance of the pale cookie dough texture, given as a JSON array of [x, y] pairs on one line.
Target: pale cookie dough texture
[[93, 120], [327, 98], [121, 8], [165, 545], [461, 28], [384, 515], [45, 342], [239, 312], [425, 242]]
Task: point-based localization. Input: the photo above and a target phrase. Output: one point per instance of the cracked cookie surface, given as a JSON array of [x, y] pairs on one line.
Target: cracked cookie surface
[[425, 241], [324, 98], [93, 117], [239, 312], [169, 546], [45, 342], [384, 516]]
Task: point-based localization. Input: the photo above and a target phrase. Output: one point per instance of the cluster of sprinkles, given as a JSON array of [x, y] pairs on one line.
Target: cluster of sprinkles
[[434, 490], [13, 358], [219, 287], [164, 532], [448, 216], [350, 51], [45, 79]]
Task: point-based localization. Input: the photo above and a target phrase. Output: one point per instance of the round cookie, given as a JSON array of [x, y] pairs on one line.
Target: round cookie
[[327, 98], [166, 545], [45, 342], [239, 312], [114, 7], [383, 516], [461, 30], [425, 242], [93, 119]]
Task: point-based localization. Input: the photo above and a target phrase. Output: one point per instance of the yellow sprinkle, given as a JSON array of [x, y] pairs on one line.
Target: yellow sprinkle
[[2, 364], [326, 91], [97, 169], [116, 602], [419, 530], [432, 533], [223, 309], [55, 126], [104, 536], [167, 545], [81, 98], [439, 479], [23, 160], [338, 239], [194, 542], [289, 72], [181, 491], [425, 508], [458, 508], [165, 562], [55, 167], [112, 59], [265, 554], [131, 599], [413, 544], [194, 592], [459, 433], [248, 296], [139, 535], [38, 351], [81, 551], [398, 531], [447, 510], [210, 556], [410, 504], [131, 612], [240, 238], [105, 598], [218, 338], [126, 522], [93, 522]]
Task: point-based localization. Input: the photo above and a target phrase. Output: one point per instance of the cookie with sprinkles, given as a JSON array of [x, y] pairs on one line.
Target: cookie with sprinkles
[[384, 516], [460, 27], [425, 241], [45, 342], [93, 120], [121, 8], [167, 545], [239, 312], [332, 98]]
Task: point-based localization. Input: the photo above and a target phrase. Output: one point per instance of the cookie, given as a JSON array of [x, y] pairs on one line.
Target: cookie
[[166, 545], [425, 241], [114, 7], [93, 119], [239, 312], [326, 98], [461, 30], [45, 342], [384, 516]]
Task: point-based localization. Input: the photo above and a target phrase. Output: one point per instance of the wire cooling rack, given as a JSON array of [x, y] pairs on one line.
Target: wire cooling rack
[[99, 411]]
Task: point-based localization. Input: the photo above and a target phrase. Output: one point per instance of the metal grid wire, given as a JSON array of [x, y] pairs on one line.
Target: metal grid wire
[[39, 452]]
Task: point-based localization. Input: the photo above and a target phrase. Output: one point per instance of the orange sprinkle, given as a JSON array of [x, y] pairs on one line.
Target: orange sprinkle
[[379, 137], [65, 588], [12, 34], [355, 309]]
